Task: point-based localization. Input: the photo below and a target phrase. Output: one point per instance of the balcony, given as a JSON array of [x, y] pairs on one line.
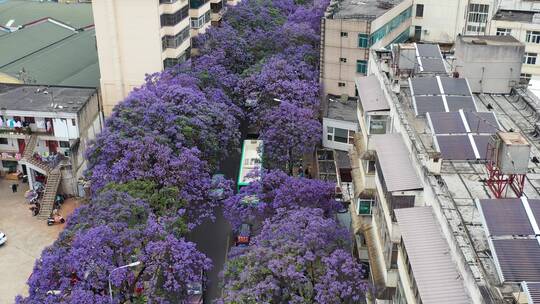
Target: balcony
[[196, 4]]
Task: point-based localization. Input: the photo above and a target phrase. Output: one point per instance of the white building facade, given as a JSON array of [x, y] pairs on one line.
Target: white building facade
[[135, 38]]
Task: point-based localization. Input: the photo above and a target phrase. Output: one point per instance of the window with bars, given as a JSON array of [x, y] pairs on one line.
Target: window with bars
[[533, 37], [503, 31], [530, 58], [175, 18], [175, 41], [478, 13], [344, 34], [419, 10]]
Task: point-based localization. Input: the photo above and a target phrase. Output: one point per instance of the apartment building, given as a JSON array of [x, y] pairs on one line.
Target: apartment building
[[144, 37], [524, 25], [442, 21], [349, 29], [44, 132], [433, 227]]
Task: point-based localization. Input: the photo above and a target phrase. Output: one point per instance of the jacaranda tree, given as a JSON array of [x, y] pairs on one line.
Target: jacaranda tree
[[276, 190], [298, 257], [114, 231]]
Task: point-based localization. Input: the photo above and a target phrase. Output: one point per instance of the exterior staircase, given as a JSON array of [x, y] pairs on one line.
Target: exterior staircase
[[49, 194], [53, 177]]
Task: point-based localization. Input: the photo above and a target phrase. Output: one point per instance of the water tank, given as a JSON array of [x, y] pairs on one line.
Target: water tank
[[513, 152]]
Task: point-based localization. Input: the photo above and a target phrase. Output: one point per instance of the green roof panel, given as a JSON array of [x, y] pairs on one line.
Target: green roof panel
[[29, 40], [72, 61], [20, 12]]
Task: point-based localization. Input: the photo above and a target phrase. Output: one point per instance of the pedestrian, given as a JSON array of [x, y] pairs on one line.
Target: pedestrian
[[14, 188], [300, 171], [307, 172]]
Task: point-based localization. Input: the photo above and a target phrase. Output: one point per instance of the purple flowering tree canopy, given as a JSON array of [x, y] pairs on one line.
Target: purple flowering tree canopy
[[288, 132], [297, 258], [113, 231], [276, 190]]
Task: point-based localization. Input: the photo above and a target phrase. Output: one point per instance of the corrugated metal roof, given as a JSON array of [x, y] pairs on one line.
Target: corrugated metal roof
[[371, 94], [396, 165], [434, 270], [533, 292]]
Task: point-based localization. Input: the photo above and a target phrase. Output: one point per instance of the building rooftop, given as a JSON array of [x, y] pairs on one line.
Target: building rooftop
[[33, 98], [490, 40], [49, 54], [517, 16], [359, 9], [48, 43], [434, 271], [341, 110], [459, 183], [15, 13], [371, 94]]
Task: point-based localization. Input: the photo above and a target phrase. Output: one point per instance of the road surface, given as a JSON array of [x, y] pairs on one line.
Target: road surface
[[213, 238]]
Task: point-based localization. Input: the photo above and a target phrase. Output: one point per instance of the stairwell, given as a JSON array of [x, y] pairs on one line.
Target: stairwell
[[53, 177]]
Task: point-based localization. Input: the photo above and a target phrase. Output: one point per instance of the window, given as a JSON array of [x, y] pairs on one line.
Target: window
[[171, 62], [370, 166], [524, 78], [419, 10], [343, 60], [533, 37], [64, 144], [340, 135], [341, 84], [363, 40], [175, 18], [199, 22], [363, 206], [377, 124], [361, 66], [30, 120], [417, 33], [175, 41], [3, 141], [530, 58], [390, 26], [503, 31], [167, 1], [344, 34], [73, 122], [478, 13], [197, 3]]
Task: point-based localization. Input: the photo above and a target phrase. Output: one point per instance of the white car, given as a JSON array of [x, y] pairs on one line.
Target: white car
[[3, 238]]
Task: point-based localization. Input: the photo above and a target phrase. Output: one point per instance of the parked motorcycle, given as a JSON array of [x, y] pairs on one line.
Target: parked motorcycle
[[55, 219]]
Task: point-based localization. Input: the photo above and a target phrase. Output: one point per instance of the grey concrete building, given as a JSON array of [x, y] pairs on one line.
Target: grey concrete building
[[492, 64]]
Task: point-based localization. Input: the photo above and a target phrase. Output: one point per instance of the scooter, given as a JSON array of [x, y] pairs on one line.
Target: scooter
[[55, 219]]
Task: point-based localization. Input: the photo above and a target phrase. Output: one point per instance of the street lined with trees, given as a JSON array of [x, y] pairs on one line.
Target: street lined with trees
[[152, 173]]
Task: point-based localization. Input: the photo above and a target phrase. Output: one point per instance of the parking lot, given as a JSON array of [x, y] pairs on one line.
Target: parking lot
[[27, 236]]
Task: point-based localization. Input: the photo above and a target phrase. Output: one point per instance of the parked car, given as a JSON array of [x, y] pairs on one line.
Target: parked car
[[3, 238], [244, 235], [195, 292]]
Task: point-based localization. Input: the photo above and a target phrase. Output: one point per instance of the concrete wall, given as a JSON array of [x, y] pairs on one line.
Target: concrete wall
[[519, 31], [489, 68], [128, 43]]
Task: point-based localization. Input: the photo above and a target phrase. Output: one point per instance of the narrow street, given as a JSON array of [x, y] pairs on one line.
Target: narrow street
[[213, 238]]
